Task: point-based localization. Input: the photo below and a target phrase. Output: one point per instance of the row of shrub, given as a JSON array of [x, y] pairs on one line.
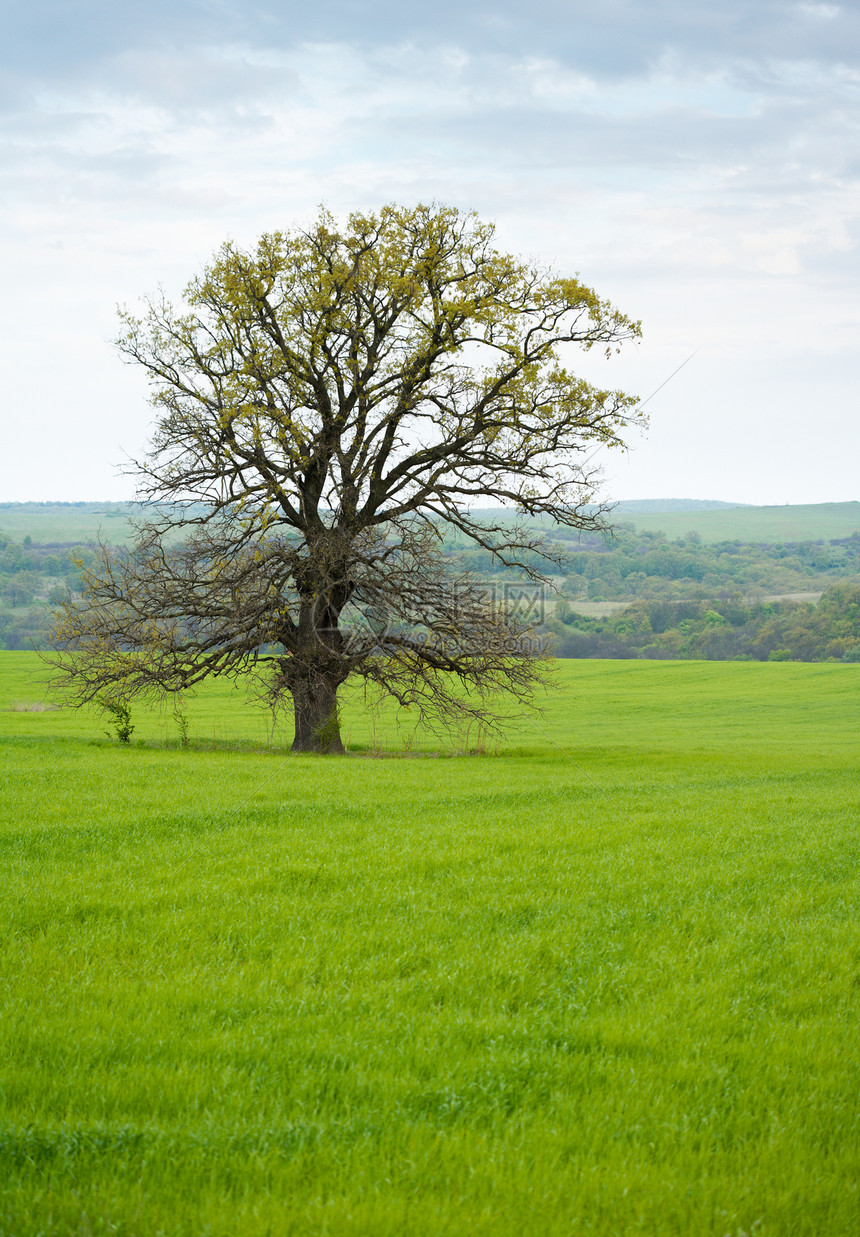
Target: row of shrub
[[627, 564], [702, 614], [729, 629]]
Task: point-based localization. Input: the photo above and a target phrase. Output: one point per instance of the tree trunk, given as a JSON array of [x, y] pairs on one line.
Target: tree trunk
[[316, 715]]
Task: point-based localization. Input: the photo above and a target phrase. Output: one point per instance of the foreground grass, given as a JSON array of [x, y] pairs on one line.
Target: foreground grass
[[606, 981]]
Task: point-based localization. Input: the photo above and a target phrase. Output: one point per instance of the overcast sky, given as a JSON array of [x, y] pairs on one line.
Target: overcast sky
[[697, 162]]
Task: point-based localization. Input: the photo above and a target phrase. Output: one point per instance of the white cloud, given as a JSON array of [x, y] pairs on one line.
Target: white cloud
[[823, 12], [699, 169]]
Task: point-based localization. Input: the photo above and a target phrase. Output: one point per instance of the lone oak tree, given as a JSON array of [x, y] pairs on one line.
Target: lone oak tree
[[331, 405]]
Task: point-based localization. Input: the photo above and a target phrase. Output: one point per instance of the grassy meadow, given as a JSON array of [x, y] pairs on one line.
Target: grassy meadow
[[66, 523], [603, 978], [47, 523], [792, 522]]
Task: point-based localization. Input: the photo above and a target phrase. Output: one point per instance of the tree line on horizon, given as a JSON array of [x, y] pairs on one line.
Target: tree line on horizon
[[687, 599], [719, 630]]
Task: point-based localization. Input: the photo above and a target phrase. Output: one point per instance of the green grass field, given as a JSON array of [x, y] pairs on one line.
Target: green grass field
[[801, 522], [66, 523], [605, 980], [83, 522]]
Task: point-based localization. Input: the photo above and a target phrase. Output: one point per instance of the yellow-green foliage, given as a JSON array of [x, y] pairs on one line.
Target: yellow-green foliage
[[603, 981]]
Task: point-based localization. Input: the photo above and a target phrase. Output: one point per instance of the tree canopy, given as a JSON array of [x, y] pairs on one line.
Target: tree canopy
[[329, 404]]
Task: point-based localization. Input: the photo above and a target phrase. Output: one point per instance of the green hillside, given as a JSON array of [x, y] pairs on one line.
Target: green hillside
[[806, 522], [73, 522], [65, 523], [69, 523]]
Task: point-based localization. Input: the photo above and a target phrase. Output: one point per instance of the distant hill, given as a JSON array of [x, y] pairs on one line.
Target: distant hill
[[76, 523], [807, 522], [635, 506], [66, 523]]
